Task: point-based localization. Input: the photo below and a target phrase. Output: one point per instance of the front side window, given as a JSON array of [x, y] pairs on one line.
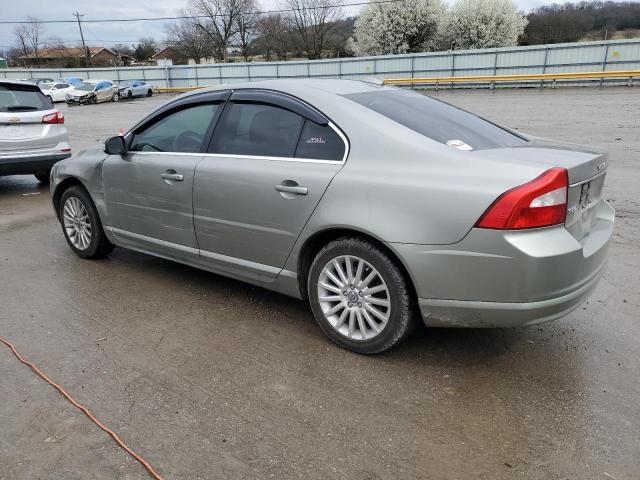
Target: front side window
[[259, 129], [320, 142], [181, 131], [437, 120]]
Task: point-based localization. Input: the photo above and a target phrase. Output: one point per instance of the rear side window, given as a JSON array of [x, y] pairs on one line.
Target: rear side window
[[319, 142], [180, 131], [22, 98], [259, 129], [437, 120]]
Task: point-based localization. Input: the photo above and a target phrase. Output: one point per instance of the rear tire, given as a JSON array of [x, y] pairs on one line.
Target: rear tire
[[115, 97], [149, 93], [43, 177], [81, 224], [370, 287]]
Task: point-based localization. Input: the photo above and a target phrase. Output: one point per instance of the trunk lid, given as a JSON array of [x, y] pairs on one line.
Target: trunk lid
[[586, 169], [25, 131]]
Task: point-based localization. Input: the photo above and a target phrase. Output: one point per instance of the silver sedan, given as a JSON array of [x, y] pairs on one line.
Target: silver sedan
[[379, 206]]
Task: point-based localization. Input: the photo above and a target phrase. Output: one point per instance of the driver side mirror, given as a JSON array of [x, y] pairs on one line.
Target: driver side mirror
[[115, 145]]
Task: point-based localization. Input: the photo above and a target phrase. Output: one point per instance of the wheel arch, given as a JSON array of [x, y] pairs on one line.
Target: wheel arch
[[315, 242], [60, 189]]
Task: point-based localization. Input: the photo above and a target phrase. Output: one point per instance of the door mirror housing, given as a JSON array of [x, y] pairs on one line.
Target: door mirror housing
[[115, 145]]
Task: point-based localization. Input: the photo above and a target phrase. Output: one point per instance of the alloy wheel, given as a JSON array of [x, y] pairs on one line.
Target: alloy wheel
[[77, 225], [354, 297]]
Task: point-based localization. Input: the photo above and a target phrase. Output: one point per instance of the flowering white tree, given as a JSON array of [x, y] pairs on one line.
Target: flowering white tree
[[398, 27], [484, 24]]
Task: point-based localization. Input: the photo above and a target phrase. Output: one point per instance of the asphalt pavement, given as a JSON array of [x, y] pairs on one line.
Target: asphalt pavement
[[210, 378]]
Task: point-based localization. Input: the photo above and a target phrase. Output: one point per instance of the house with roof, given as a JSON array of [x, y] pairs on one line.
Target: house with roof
[[70, 57]]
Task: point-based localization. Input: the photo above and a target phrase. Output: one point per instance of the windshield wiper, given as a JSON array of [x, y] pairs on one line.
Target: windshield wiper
[[23, 108]]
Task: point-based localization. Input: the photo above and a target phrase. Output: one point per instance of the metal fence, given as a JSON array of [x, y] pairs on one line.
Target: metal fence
[[557, 58]]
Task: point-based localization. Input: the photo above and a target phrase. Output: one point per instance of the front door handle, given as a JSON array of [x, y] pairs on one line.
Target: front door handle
[[176, 177], [293, 189]]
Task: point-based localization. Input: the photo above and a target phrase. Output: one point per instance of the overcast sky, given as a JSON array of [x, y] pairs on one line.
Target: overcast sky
[[107, 34]]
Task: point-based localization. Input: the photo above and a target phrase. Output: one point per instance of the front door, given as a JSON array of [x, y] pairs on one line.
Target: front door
[[254, 193], [148, 190]]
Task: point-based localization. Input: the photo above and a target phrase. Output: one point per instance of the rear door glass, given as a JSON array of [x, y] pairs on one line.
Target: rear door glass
[[257, 129], [16, 98], [437, 120], [320, 142]]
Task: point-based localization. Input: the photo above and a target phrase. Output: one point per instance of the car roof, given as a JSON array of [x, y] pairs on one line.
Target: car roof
[[19, 82], [297, 86]]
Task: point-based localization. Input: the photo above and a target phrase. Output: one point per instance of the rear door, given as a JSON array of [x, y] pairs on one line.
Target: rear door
[[271, 161], [149, 189], [21, 110]]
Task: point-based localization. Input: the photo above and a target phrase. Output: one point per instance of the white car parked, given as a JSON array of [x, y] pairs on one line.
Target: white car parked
[[56, 91], [135, 88]]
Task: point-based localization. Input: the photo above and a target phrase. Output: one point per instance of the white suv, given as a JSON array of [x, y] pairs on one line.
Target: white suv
[[32, 133]]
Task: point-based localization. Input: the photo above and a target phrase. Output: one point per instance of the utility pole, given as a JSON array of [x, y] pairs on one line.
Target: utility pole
[[87, 57]]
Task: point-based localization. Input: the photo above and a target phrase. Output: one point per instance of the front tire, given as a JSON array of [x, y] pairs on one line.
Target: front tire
[[115, 97], [149, 93], [81, 224], [360, 296]]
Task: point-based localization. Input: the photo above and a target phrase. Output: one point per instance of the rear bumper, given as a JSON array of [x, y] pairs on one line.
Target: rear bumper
[[508, 278], [464, 313], [27, 164]]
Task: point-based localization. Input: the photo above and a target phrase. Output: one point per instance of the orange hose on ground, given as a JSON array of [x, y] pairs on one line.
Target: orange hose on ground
[[117, 439]]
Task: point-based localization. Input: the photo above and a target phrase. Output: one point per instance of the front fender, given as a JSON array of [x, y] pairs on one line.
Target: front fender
[[84, 168]]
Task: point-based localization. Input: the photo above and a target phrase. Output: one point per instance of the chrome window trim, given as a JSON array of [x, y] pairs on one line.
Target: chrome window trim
[[264, 157]]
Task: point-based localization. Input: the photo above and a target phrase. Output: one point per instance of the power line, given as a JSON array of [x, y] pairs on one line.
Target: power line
[[186, 17]]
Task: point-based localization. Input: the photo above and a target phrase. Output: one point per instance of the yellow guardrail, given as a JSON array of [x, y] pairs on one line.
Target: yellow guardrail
[[515, 78], [476, 78], [175, 89]]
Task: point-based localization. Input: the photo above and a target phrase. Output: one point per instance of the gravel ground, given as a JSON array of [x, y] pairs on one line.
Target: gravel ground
[[210, 378]]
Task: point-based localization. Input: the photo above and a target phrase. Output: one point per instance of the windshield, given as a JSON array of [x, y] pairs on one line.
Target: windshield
[[22, 98], [46, 86], [437, 120], [86, 87]]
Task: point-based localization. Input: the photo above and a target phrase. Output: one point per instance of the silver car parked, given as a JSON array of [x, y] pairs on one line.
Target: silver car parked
[[32, 133], [378, 205]]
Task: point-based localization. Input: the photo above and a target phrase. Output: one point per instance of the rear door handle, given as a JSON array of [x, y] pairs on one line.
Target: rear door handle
[[294, 189], [176, 177]]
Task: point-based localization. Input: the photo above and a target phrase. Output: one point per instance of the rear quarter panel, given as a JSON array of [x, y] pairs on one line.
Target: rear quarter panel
[[399, 186]]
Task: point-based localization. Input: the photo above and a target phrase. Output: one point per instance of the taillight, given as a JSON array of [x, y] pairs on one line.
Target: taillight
[[539, 203], [56, 117]]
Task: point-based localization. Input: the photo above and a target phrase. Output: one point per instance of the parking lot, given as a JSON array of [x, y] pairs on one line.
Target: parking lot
[[210, 378]]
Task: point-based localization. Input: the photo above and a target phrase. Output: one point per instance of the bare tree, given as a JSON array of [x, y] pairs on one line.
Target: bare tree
[[190, 39], [220, 20], [246, 25], [20, 32], [312, 19], [30, 34], [274, 36]]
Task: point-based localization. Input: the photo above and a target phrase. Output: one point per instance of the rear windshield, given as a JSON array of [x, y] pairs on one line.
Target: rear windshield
[[437, 120], [22, 98]]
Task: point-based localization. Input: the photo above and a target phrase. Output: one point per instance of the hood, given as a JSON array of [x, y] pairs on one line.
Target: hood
[[79, 93]]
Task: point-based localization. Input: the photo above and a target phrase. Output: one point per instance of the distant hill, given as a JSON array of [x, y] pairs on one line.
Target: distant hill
[[571, 22]]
